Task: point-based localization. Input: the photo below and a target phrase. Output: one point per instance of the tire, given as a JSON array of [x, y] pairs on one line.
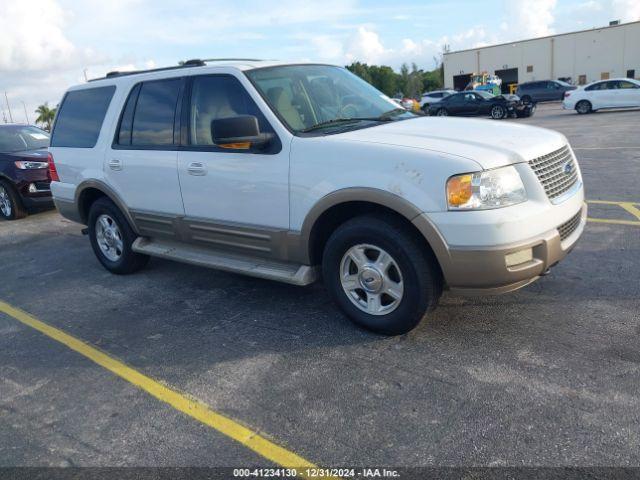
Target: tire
[[412, 274], [11, 207], [111, 238], [498, 112], [583, 107], [442, 112], [526, 99]]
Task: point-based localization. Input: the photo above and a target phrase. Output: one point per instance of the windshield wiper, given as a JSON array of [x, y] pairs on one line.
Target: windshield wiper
[[385, 117]]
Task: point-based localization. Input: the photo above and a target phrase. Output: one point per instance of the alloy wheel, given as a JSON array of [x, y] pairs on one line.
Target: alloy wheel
[[371, 279], [5, 202], [497, 112], [109, 238]]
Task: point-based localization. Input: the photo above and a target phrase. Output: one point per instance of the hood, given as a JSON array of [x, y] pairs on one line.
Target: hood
[[39, 155], [491, 143]]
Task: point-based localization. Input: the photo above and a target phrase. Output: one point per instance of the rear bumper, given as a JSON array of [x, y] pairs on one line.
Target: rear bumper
[[490, 270]]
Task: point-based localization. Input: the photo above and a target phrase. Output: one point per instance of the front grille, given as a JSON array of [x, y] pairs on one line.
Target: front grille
[[556, 171], [567, 228]]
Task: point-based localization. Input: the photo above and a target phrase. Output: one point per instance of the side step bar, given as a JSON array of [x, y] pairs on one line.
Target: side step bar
[[229, 262]]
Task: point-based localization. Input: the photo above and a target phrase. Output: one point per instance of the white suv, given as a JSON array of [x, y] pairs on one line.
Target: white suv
[[287, 172]]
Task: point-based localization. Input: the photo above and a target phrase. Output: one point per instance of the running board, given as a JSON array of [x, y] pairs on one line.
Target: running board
[[229, 262]]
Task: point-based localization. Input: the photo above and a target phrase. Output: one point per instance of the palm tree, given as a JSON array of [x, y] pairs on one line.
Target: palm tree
[[45, 116]]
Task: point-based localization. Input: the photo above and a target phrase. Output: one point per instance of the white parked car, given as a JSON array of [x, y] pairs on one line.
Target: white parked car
[[436, 96], [614, 93], [289, 172]]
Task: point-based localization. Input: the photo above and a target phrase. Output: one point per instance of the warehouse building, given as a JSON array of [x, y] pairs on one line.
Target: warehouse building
[[577, 57]]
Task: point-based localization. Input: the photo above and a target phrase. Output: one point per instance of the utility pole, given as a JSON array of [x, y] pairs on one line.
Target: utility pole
[[86, 79], [8, 106], [25, 111]]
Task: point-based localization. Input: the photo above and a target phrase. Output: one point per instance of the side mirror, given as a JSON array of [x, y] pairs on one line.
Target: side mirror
[[241, 132]]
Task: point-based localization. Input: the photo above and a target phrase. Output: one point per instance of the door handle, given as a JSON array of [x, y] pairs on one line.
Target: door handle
[[196, 168], [115, 164]]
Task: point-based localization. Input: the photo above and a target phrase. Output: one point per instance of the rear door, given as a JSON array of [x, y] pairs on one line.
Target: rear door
[[142, 162], [599, 95]]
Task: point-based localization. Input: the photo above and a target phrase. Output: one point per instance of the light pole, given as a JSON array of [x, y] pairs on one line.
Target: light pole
[[25, 111], [8, 106]]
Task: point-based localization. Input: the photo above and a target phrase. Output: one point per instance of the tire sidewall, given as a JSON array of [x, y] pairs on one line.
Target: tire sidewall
[[407, 315], [13, 199], [586, 110], [499, 108], [101, 207], [443, 112]]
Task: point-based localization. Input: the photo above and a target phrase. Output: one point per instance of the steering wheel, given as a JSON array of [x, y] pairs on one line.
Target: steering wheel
[[348, 111]]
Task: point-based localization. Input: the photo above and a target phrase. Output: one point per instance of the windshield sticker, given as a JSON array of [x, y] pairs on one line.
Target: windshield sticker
[[39, 136]]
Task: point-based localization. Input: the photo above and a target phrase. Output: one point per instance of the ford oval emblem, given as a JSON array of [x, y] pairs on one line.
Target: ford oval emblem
[[568, 168]]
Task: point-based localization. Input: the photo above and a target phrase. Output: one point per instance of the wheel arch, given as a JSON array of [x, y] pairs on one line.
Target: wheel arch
[[336, 208], [90, 191]]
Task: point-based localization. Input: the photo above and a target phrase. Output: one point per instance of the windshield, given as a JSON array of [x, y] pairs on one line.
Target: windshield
[[484, 94], [309, 96], [20, 138]]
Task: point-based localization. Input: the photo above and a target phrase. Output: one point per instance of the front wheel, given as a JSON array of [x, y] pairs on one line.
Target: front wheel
[[381, 276], [10, 205], [498, 112], [442, 112], [111, 238], [583, 107]]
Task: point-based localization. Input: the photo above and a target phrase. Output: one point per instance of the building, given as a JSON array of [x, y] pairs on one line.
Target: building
[[577, 57]]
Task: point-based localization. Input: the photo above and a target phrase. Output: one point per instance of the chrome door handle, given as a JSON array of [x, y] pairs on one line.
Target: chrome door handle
[[115, 164], [196, 168]]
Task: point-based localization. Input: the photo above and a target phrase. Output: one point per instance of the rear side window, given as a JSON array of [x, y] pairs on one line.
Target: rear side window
[[80, 117], [154, 117]]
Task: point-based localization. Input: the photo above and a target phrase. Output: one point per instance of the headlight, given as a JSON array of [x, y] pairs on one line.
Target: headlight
[[496, 188], [22, 165]]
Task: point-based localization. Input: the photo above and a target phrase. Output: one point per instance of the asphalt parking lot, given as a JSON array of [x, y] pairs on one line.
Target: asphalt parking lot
[[546, 376]]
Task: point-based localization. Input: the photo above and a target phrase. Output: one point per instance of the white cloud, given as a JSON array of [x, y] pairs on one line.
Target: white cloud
[[530, 18], [365, 46], [33, 37], [625, 10]]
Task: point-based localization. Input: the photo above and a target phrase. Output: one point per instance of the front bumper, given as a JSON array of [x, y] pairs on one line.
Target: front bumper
[[480, 271]]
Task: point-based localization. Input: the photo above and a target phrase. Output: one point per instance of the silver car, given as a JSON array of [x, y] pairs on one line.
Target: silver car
[[430, 98]]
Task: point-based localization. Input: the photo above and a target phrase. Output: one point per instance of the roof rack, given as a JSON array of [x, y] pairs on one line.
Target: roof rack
[[195, 62]]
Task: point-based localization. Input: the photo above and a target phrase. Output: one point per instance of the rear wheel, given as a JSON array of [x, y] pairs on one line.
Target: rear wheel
[[111, 238], [380, 275], [442, 112], [498, 112], [584, 106], [11, 207]]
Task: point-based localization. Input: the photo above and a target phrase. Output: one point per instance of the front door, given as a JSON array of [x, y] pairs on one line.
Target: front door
[[246, 188]]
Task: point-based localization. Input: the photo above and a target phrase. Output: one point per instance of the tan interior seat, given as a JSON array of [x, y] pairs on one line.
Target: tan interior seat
[[282, 102]]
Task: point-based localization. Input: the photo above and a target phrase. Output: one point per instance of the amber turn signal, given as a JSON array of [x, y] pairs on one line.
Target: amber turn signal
[[459, 190]]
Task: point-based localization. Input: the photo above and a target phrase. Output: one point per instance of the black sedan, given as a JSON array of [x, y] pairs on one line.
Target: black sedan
[[479, 103], [24, 170]]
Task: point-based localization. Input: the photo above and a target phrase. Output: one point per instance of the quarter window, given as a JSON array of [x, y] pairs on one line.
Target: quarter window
[[80, 117]]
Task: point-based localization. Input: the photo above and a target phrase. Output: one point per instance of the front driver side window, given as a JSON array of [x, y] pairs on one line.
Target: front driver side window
[[219, 96]]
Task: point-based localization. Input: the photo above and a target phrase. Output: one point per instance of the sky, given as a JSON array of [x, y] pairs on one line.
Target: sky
[[48, 45]]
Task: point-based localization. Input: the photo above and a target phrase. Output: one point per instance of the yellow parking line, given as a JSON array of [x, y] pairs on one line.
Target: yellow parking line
[[613, 221], [192, 407], [629, 207]]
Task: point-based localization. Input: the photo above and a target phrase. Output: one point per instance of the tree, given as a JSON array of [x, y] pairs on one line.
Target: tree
[[410, 82], [45, 116]]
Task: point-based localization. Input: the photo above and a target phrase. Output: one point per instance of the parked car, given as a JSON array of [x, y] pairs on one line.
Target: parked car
[[480, 103], [229, 166], [434, 97], [543, 90], [614, 93], [24, 174]]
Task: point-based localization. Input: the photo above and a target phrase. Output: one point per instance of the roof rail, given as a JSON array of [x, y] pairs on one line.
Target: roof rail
[[195, 62]]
